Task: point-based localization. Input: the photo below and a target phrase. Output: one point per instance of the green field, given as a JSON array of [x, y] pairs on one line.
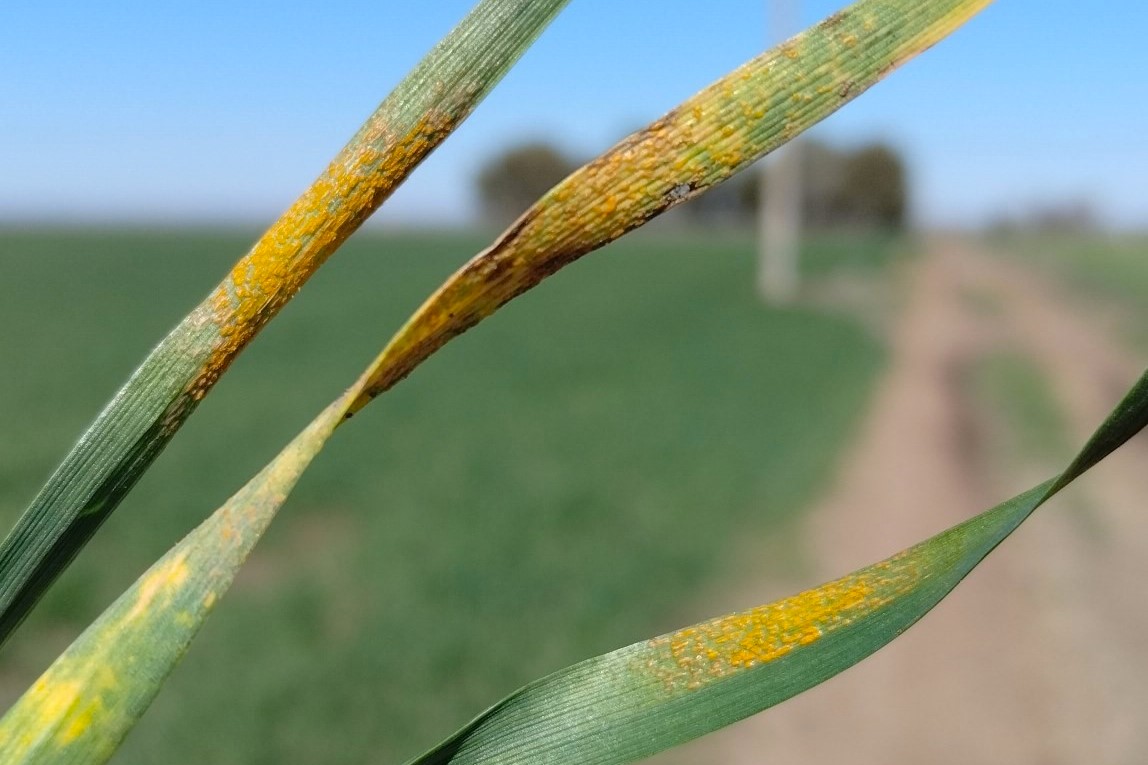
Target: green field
[[565, 479], [1112, 270]]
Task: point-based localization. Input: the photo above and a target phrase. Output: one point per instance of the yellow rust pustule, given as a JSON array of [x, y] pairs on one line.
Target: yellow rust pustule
[[353, 186], [692, 657]]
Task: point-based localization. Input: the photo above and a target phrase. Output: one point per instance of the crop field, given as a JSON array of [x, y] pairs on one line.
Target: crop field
[[1110, 272], [565, 479]]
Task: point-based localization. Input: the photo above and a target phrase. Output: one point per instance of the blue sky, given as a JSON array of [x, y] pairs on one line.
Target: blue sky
[[197, 112]]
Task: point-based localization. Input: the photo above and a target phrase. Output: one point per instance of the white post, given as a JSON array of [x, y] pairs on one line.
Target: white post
[[779, 216]]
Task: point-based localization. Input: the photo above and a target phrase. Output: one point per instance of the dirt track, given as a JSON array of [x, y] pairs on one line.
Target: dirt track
[[1041, 655]]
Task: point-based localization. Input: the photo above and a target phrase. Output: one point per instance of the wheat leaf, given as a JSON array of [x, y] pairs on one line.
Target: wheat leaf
[[82, 707], [699, 144], [147, 411], [647, 697]]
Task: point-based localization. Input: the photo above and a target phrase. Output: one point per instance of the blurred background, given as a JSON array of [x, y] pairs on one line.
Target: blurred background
[[643, 441]]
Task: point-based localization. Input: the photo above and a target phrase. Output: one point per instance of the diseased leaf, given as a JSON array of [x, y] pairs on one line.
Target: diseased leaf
[[148, 410], [82, 707], [650, 696], [701, 143]]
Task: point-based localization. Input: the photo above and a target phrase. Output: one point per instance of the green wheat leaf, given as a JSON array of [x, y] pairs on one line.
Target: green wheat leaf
[[148, 410]]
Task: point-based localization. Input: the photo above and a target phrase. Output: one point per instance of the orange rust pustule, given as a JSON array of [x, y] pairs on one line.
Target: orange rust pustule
[[353, 186], [692, 657]]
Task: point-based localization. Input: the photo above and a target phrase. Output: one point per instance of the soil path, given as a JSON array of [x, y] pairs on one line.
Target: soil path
[[1041, 655]]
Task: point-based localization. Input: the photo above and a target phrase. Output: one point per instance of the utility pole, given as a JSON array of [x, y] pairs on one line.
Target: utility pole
[[779, 215]]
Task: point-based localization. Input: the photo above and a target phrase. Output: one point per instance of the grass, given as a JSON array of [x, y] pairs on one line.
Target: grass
[[552, 485], [857, 254], [1111, 269], [1024, 407]]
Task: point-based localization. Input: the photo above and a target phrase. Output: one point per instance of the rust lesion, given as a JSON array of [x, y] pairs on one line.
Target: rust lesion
[[695, 656], [352, 187], [672, 159], [691, 148], [599, 202], [162, 581], [58, 710]]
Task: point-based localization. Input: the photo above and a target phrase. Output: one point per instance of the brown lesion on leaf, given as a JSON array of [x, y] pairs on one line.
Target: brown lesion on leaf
[[835, 19]]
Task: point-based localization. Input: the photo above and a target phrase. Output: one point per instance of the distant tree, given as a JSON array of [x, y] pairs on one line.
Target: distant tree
[[862, 188], [1070, 216], [823, 174], [1066, 217], [873, 187], [514, 179]]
